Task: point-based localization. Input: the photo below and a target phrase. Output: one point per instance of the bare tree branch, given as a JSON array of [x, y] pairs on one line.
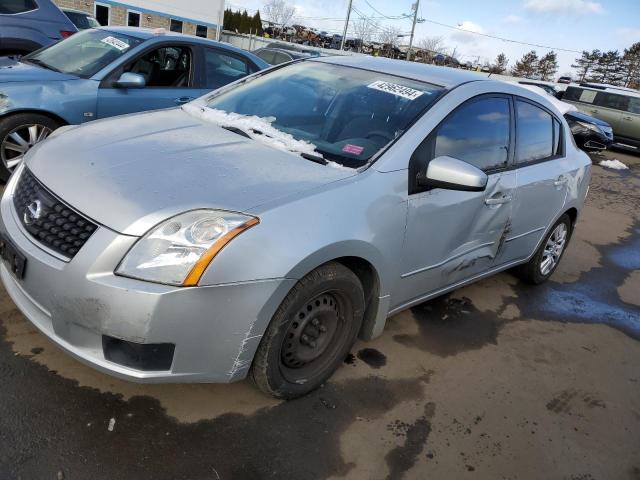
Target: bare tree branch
[[278, 12]]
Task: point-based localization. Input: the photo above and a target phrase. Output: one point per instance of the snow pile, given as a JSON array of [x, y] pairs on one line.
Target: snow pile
[[615, 164], [258, 128]]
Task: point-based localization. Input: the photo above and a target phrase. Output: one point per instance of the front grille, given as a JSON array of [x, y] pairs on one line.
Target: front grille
[[48, 219]]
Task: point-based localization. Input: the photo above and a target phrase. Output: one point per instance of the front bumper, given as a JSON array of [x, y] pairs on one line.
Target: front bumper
[[215, 329]]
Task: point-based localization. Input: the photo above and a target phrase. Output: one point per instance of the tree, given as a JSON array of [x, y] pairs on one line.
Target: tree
[[631, 64], [547, 66], [390, 36], [609, 69], [527, 66], [256, 23], [500, 64], [432, 44], [585, 64], [279, 12], [363, 29]]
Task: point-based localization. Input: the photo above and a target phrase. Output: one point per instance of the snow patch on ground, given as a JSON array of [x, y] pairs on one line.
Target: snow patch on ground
[[251, 124], [614, 164]]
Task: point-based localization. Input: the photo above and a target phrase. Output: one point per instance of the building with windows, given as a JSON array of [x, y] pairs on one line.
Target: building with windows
[[193, 17]]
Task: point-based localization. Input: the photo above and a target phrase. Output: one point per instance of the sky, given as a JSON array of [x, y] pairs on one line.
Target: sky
[[563, 24]]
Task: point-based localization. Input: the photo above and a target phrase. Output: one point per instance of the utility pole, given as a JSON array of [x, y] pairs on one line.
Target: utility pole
[[346, 25], [413, 27]]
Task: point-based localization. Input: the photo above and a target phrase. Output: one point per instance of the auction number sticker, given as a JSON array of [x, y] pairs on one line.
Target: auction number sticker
[[115, 43], [395, 89]]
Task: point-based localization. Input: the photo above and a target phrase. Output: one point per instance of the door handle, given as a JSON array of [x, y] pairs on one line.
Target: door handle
[[627, 118], [561, 180], [497, 200], [183, 100]]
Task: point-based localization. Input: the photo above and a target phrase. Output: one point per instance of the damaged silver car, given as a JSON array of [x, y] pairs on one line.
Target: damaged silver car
[[259, 230]]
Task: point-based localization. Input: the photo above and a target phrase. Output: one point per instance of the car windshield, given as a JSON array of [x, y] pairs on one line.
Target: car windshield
[[346, 114], [84, 53]]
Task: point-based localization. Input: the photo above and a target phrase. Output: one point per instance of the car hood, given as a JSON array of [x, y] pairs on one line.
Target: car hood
[[583, 117], [129, 173], [12, 70]]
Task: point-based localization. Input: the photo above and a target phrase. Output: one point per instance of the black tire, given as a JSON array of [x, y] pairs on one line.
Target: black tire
[[532, 271], [10, 123], [285, 365]]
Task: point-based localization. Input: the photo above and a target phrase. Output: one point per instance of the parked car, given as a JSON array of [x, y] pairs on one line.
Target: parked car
[[312, 52], [259, 230], [276, 56], [590, 133], [103, 72], [619, 107], [565, 80], [82, 20], [548, 87], [27, 25]]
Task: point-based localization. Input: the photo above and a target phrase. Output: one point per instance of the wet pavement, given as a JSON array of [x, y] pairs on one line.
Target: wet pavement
[[498, 380]]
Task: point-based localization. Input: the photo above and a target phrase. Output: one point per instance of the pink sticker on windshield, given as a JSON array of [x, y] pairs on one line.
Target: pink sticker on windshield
[[353, 149]]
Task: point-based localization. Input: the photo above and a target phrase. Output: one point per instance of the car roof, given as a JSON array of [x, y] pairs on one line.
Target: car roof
[[292, 53], [603, 87], [160, 34], [442, 76]]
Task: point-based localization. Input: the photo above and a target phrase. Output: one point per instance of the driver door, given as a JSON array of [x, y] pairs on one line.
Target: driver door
[[169, 81], [453, 235]]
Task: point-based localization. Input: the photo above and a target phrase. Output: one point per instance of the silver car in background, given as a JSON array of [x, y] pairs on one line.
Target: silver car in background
[[259, 230]]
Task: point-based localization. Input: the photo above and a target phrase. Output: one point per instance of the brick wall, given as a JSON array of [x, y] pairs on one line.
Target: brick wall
[[154, 21], [85, 6]]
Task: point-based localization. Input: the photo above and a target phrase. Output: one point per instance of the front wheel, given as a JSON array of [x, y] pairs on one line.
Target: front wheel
[[18, 134], [311, 333], [547, 257]]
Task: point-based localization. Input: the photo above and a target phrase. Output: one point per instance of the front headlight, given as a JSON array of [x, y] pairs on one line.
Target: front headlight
[[589, 126], [178, 250]]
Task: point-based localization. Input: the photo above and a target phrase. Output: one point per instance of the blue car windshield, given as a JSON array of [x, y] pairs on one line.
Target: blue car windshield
[[84, 53], [348, 114]]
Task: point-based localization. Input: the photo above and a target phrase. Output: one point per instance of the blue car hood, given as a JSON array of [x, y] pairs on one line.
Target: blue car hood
[[12, 70], [583, 117]]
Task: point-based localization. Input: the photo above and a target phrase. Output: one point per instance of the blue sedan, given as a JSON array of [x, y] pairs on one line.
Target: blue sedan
[[104, 72]]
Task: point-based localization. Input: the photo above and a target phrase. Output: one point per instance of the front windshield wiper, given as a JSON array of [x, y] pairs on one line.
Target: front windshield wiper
[[40, 63], [237, 130], [314, 158]]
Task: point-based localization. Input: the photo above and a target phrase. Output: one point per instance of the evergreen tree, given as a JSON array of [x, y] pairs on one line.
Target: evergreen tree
[[548, 66], [257, 23], [631, 65], [527, 66], [586, 63], [500, 64], [609, 69], [245, 25]]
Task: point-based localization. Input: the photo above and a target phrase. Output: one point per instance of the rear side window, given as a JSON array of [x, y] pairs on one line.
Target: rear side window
[[538, 133], [477, 133], [610, 100], [8, 7], [572, 94], [634, 105], [266, 55], [222, 69], [280, 57]]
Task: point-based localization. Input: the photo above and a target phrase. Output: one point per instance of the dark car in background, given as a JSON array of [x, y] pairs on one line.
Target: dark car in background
[[564, 80], [276, 56], [590, 133], [28, 25], [82, 20]]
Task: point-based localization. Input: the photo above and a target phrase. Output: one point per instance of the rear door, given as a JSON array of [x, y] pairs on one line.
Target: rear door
[[222, 67], [630, 121], [170, 78], [541, 175], [454, 235]]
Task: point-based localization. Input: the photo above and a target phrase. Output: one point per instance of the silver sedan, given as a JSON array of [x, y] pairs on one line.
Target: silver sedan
[[259, 230]]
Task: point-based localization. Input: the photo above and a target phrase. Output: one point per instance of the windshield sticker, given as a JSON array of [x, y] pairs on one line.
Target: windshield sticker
[[353, 149], [395, 89], [115, 43]]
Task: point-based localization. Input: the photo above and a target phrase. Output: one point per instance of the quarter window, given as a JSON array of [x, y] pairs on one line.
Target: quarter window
[[11, 7], [477, 133], [535, 133]]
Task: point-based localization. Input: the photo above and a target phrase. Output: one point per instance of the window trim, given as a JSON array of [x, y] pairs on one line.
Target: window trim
[[139, 17], [562, 145], [176, 20], [95, 10], [414, 166], [37, 7], [110, 78]]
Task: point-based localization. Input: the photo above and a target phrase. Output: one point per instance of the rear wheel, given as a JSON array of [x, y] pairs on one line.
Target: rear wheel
[[311, 333], [547, 257], [18, 134]]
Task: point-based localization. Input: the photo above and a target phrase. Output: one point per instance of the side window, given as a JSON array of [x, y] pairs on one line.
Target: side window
[[281, 58], [477, 133], [164, 67], [610, 100], [535, 138], [222, 69], [572, 94], [267, 56], [11, 7], [634, 105]]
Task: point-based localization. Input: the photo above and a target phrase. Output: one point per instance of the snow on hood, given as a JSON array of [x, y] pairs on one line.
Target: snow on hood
[[258, 128], [564, 107]]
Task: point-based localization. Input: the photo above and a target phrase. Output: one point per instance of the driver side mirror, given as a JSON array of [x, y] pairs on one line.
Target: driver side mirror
[[452, 174], [130, 80]]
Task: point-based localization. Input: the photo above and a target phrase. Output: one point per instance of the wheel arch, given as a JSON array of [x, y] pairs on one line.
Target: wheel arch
[[35, 111]]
